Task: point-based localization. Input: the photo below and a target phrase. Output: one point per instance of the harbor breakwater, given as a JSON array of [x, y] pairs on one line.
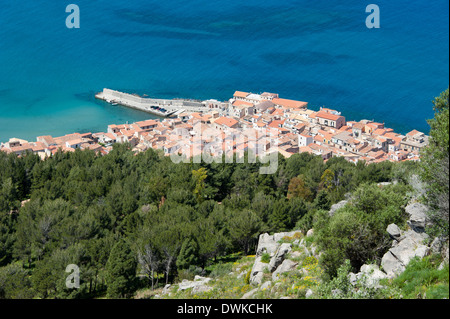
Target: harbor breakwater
[[160, 107]]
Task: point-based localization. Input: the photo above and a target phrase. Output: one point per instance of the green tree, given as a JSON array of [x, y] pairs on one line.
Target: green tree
[[357, 231], [149, 257], [44, 280], [435, 165], [244, 227], [121, 271], [199, 177], [188, 254], [327, 179], [298, 188], [15, 282], [7, 237]]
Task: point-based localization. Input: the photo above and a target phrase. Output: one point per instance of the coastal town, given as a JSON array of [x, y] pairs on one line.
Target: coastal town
[[325, 132]]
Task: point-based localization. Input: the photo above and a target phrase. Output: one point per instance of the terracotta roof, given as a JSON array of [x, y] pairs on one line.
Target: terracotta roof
[[46, 139], [111, 136], [38, 146], [290, 103], [278, 112], [75, 141], [240, 103], [226, 121], [147, 123], [379, 131], [65, 138], [241, 94], [358, 125], [413, 132], [328, 116], [375, 125], [276, 123]]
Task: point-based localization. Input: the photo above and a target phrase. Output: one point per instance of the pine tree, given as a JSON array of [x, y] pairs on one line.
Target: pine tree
[[188, 254], [435, 165], [121, 271]]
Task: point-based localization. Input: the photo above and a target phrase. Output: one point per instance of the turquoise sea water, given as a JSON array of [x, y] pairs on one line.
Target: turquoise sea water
[[316, 51]]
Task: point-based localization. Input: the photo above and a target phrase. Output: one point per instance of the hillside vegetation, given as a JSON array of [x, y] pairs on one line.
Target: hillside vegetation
[[134, 223]]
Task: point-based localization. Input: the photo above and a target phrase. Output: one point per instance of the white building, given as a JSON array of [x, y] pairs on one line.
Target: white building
[[304, 140]]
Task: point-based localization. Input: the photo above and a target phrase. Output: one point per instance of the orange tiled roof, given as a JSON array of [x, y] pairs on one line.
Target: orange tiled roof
[[241, 94], [290, 103], [413, 132], [147, 123], [226, 121], [239, 103], [327, 116]]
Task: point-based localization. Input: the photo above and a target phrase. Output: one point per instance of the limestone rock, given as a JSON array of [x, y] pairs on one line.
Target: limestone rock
[[394, 231], [337, 206], [280, 254], [249, 294], [397, 258], [198, 281], [166, 289], [373, 275], [266, 244], [418, 216], [286, 265], [309, 293], [269, 243], [256, 273], [201, 289], [257, 279], [295, 254]]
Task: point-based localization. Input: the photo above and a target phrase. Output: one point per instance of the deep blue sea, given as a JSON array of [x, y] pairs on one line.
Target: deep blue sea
[[316, 51]]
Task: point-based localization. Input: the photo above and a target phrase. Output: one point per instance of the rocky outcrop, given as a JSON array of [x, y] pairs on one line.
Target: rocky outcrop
[[279, 256], [257, 272], [269, 244], [249, 295], [394, 231], [286, 265], [369, 276], [337, 206], [197, 285], [417, 216], [405, 247]]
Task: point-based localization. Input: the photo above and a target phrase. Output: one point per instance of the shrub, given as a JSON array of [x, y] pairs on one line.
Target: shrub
[[221, 270], [265, 258], [357, 232], [189, 273], [247, 277]]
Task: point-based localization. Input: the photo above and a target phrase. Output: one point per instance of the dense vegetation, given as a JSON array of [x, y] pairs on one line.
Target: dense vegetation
[[139, 220]]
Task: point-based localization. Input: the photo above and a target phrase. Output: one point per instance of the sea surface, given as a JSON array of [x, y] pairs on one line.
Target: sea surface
[[315, 51]]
